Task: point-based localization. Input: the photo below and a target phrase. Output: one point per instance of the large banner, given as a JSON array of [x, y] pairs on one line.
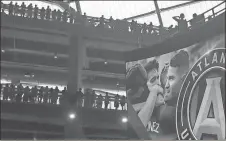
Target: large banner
[[181, 95]]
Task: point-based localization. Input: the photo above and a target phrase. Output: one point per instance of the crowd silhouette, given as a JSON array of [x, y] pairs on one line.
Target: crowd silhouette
[[45, 95], [32, 11]]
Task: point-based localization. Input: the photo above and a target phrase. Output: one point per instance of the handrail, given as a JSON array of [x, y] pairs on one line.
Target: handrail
[[91, 20], [106, 21], [122, 25], [214, 7], [84, 99], [210, 10], [220, 11]]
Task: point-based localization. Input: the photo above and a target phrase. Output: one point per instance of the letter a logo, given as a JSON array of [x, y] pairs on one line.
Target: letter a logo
[[215, 125], [200, 112]]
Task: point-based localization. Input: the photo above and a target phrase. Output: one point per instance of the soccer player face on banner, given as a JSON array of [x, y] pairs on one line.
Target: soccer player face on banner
[[179, 66], [153, 79]]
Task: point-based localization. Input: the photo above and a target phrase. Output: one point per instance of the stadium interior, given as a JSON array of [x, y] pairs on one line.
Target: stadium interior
[[63, 62]]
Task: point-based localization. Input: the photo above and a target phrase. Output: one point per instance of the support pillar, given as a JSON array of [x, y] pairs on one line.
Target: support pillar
[[158, 13], [73, 127], [78, 7]]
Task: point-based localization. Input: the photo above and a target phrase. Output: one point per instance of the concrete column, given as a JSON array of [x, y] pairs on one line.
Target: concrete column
[[85, 58], [76, 53], [73, 127]]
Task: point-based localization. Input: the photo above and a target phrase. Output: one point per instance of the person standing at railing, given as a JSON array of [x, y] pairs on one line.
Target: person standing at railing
[[123, 102], [10, 8], [34, 93], [138, 29], [12, 92], [144, 28], [65, 16], [101, 21], [48, 12], [182, 22], [85, 19], [46, 95], [23, 9], [133, 26], [50, 95], [26, 94], [59, 15], [16, 9], [106, 101], [170, 29], [54, 15], [29, 10], [42, 13], [197, 20], [92, 22], [87, 98], [116, 103], [64, 94], [71, 17], [99, 101], [92, 98], [193, 21], [6, 92], [36, 11], [111, 23], [150, 28], [79, 96], [55, 96], [20, 91], [40, 94]]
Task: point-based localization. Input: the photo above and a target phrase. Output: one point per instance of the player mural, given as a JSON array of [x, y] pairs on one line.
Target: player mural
[[181, 95]]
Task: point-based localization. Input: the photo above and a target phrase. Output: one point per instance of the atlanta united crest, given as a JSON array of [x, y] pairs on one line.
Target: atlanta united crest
[[200, 111]]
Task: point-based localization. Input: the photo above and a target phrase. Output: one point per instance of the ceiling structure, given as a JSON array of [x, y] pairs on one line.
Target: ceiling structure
[[141, 11]]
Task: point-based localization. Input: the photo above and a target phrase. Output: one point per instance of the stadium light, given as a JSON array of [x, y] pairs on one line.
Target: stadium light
[[124, 119], [55, 56], [72, 116]]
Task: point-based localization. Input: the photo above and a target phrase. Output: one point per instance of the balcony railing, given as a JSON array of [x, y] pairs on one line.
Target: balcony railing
[[102, 23], [45, 96]]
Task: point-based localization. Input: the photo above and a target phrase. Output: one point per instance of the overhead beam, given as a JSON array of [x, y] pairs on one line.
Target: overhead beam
[[162, 10]]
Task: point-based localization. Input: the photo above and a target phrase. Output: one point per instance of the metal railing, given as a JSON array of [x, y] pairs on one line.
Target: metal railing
[[46, 97], [205, 16], [85, 20], [119, 25]]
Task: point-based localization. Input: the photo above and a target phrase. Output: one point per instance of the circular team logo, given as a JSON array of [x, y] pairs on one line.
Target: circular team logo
[[200, 111]]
